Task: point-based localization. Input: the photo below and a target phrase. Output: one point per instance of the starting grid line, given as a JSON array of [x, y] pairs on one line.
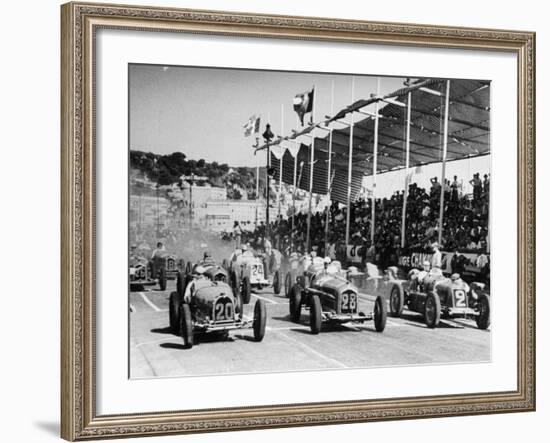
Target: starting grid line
[[151, 304]]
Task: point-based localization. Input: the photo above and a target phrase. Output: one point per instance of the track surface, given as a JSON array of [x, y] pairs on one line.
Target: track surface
[[288, 346]]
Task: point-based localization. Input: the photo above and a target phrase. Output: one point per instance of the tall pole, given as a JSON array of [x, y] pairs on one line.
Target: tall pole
[[374, 165], [444, 162], [267, 193], [329, 168], [350, 163], [281, 164], [312, 158], [294, 194], [407, 151]]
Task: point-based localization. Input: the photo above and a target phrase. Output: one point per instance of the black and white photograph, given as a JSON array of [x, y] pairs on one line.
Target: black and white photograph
[[298, 221]]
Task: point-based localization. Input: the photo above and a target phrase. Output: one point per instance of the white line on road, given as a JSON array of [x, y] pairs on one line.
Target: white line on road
[[265, 299], [149, 302], [313, 351]]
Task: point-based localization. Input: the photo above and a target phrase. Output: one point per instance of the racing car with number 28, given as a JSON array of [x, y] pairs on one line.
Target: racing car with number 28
[[332, 299]]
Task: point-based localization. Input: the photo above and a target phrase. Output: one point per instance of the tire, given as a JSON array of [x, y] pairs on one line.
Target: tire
[[189, 268], [180, 284], [295, 303], [239, 305], [246, 290], [259, 322], [315, 315], [162, 279], [288, 284], [235, 285], [380, 314], [432, 310], [225, 264], [276, 283], [186, 325], [483, 320], [397, 300], [174, 306]]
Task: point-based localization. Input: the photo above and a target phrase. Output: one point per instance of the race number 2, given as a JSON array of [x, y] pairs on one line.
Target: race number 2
[[460, 298]]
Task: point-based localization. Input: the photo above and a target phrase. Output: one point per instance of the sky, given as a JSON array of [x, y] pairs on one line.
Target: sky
[[201, 111]]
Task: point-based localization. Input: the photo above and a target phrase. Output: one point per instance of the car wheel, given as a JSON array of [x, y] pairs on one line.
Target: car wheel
[[225, 264], [276, 283], [246, 290], [239, 305], [180, 283], [186, 325], [189, 268], [259, 320], [380, 314], [288, 284], [483, 320], [432, 310], [315, 315], [174, 306], [162, 280], [397, 300], [295, 303]]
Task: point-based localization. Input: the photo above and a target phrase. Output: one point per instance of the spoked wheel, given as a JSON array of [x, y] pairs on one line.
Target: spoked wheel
[[432, 312], [180, 283], [483, 320], [276, 283], [295, 303], [174, 306], [246, 290], [380, 314], [315, 315], [397, 299], [259, 320], [186, 325], [288, 284], [162, 279]]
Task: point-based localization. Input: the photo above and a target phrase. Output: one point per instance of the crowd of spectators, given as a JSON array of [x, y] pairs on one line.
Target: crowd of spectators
[[465, 224]]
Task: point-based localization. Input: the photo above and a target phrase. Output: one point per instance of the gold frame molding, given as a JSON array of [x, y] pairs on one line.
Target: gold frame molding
[[79, 22]]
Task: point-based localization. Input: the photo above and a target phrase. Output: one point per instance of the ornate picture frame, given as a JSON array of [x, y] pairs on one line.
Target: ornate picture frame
[[80, 22]]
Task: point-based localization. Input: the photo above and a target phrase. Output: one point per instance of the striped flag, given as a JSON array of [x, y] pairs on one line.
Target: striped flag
[[252, 126]]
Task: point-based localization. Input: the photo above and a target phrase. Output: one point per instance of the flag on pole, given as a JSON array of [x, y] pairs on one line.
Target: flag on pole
[[303, 103], [278, 151], [252, 126]]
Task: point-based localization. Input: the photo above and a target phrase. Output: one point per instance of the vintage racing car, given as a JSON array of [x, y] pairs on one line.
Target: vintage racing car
[[140, 273], [213, 271], [436, 296], [164, 267], [331, 298], [212, 307], [248, 270]]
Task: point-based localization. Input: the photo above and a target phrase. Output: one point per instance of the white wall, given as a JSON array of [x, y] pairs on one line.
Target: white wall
[[29, 179]]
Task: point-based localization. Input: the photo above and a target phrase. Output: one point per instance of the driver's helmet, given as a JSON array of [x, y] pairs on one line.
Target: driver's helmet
[[207, 255], [200, 270]]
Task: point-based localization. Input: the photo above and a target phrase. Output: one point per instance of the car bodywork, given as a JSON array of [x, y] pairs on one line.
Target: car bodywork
[[331, 298], [436, 296], [247, 271], [140, 273], [212, 307]]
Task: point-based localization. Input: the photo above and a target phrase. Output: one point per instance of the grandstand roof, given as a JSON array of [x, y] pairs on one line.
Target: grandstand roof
[[468, 133]]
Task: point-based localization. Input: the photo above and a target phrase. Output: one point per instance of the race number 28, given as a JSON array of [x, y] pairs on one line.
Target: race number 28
[[349, 302]]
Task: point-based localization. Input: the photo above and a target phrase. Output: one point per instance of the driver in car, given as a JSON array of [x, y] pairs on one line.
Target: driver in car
[[198, 277]]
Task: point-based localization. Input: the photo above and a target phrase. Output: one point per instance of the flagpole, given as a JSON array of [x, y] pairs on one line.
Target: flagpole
[[329, 169], [374, 164], [294, 193], [407, 151], [350, 164], [444, 163], [258, 172], [312, 157], [281, 162]]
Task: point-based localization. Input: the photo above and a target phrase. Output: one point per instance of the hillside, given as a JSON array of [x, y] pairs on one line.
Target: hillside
[[240, 182]]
